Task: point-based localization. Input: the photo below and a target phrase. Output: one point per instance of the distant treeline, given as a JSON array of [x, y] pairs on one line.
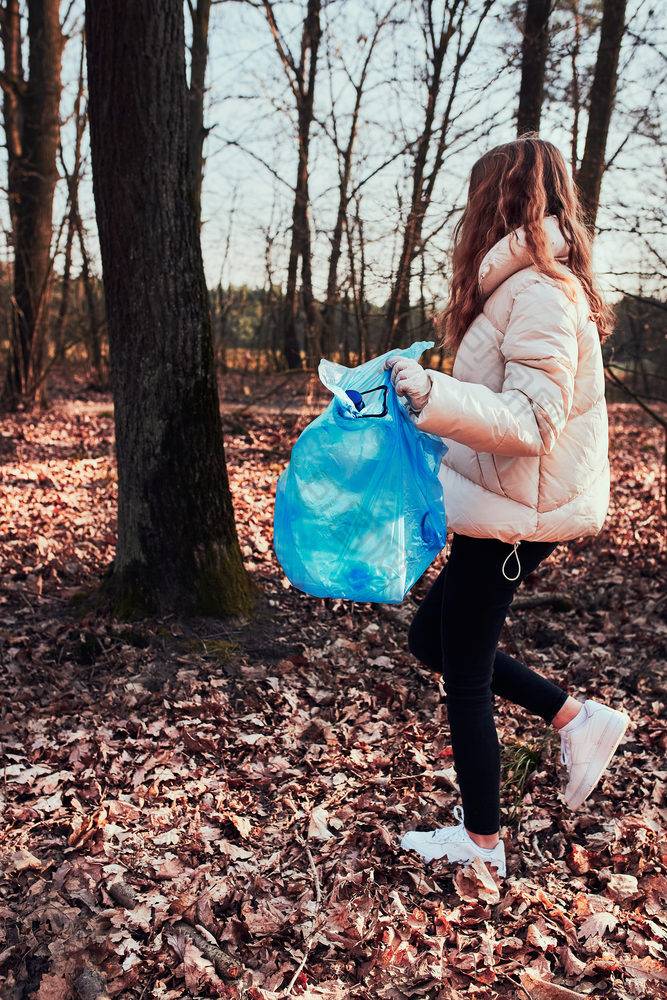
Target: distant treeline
[[637, 351], [248, 334]]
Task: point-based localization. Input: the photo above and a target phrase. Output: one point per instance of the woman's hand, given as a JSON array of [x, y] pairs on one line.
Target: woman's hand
[[410, 380]]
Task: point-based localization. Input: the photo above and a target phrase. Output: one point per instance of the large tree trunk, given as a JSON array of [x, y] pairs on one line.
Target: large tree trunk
[[177, 546], [13, 86], [533, 62], [600, 105], [32, 130]]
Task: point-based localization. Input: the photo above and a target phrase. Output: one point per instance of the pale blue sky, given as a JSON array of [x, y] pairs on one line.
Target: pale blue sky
[[248, 105]]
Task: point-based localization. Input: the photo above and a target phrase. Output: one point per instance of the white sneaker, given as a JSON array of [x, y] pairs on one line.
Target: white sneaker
[[587, 750], [455, 844]]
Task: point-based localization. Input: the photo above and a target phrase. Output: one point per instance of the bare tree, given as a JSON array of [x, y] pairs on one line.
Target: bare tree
[[344, 154], [357, 279], [92, 324], [456, 17], [177, 546], [200, 16], [575, 85], [301, 76], [600, 105], [31, 109], [534, 49]]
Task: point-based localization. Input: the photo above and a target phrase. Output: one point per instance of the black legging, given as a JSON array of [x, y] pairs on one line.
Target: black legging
[[455, 631]]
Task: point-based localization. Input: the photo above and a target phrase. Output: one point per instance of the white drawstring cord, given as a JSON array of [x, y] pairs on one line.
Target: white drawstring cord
[[514, 553]]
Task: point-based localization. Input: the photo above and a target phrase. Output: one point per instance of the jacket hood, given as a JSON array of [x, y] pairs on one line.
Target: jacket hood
[[511, 254]]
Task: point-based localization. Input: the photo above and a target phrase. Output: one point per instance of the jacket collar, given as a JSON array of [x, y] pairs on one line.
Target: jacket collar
[[511, 254]]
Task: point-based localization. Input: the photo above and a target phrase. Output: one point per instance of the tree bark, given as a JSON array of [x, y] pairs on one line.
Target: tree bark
[[32, 130], [177, 546], [600, 106], [533, 62], [196, 132]]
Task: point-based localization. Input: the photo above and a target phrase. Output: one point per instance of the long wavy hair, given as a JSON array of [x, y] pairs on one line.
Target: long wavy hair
[[516, 185]]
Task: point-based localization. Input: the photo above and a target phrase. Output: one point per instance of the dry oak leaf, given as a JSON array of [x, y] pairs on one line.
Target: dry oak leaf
[[540, 989], [645, 968], [317, 827], [597, 923], [623, 888], [578, 860], [539, 938], [84, 827], [21, 860], [476, 882], [53, 988]]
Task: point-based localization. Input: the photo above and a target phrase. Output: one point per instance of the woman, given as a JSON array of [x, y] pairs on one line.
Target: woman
[[524, 417]]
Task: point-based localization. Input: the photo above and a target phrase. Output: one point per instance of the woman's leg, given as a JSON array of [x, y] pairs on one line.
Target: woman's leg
[[474, 597], [511, 679]]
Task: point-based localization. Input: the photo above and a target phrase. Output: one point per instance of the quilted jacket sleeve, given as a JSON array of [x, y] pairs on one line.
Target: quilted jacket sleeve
[[526, 417]]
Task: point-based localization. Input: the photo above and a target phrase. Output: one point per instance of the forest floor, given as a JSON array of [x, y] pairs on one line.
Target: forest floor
[[214, 808]]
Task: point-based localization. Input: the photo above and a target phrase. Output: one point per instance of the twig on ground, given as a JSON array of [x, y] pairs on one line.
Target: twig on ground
[[536, 848], [21, 594], [318, 890], [560, 600], [224, 964], [318, 903]]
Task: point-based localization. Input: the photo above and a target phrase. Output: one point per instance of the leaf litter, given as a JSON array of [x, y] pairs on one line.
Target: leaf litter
[[214, 808]]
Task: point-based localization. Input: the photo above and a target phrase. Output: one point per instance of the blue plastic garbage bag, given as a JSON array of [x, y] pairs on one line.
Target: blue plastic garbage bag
[[359, 510]]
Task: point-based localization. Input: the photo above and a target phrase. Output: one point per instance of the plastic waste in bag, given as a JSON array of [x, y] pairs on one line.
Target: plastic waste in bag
[[359, 511]]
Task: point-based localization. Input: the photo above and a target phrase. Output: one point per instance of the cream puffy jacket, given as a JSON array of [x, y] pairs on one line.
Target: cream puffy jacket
[[523, 413]]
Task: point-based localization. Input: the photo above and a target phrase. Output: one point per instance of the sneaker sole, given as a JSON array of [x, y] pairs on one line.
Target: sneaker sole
[[463, 859], [614, 730]]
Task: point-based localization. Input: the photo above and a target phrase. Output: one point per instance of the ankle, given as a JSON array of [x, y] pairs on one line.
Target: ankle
[[567, 713], [486, 840]]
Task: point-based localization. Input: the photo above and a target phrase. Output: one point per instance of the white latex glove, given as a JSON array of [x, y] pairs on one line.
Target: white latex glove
[[410, 380]]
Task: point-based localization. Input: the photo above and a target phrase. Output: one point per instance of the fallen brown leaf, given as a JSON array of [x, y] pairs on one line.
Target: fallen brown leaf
[[540, 989], [475, 882]]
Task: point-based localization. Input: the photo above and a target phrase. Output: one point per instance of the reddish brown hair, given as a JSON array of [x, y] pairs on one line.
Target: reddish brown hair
[[515, 185]]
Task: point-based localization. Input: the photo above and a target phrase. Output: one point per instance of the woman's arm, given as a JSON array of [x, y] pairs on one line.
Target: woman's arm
[[526, 417]]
